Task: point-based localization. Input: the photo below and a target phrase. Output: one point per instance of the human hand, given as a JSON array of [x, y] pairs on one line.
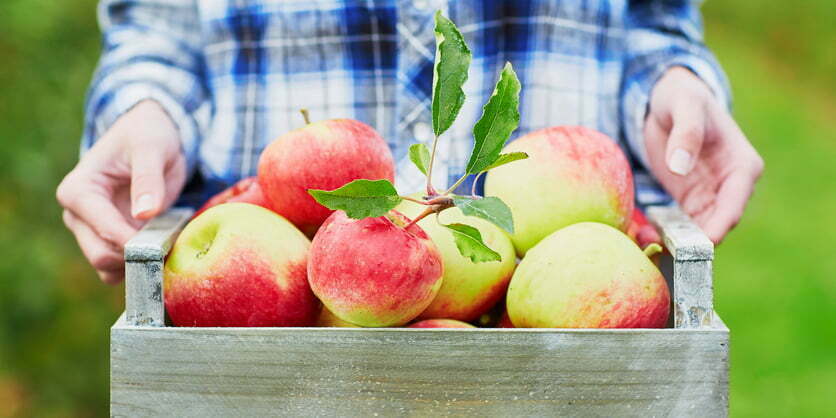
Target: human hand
[[698, 153], [133, 172]]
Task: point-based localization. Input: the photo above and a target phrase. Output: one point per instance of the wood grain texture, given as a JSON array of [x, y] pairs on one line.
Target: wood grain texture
[[144, 255], [693, 254], [418, 372]]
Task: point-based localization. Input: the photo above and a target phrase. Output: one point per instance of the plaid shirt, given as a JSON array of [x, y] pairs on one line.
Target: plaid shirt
[[234, 73]]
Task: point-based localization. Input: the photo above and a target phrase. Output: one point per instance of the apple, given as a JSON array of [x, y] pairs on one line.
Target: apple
[[238, 264], [374, 272], [641, 231], [328, 319], [322, 155], [441, 323], [505, 320], [468, 289], [588, 275], [245, 191], [573, 174]]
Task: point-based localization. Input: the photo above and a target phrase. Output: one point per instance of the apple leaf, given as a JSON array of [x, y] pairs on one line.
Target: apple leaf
[[420, 156], [360, 198], [506, 158], [469, 242], [500, 118], [489, 208], [452, 60]]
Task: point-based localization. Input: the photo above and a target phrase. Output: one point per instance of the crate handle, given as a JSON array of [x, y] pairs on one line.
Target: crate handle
[[144, 257], [691, 250], [693, 255]]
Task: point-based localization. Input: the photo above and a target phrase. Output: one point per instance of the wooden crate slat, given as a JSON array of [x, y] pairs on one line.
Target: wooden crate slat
[[364, 372], [693, 254], [144, 255]]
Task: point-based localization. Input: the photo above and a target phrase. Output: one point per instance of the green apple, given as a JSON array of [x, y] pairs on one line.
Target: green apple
[[573, 174], [469, 289], [587, 275]]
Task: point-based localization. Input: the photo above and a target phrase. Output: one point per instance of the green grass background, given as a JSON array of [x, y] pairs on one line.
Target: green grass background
[[775, 278]]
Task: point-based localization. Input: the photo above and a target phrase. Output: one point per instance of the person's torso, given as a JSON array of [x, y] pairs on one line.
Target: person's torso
[[372, 60]]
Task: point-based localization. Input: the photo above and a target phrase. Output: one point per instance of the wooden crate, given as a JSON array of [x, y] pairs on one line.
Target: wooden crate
[[678, 371]]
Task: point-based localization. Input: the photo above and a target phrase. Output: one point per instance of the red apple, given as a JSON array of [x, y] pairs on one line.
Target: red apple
[[505, 320], [374, 272], [238, 264], [641, 231], [441, 323], [322, 155], [573, 174], [245, 191]]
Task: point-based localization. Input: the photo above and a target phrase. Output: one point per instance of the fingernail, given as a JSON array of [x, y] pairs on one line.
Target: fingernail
[[143, 204], [681, 162]]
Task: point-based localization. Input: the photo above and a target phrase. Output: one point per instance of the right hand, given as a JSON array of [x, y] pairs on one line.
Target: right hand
[[132, 173]]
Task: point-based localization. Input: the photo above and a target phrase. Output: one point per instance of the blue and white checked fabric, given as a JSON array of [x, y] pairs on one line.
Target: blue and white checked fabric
[[234, 73]]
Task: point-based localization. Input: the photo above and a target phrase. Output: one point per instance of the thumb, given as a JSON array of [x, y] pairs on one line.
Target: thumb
[[147, 184], [686, 138]]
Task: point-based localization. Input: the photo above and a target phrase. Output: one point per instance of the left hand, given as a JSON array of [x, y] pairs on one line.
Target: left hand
[[698, 153]]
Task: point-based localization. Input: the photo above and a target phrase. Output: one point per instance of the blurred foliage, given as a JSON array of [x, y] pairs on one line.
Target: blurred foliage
[[774, 278]]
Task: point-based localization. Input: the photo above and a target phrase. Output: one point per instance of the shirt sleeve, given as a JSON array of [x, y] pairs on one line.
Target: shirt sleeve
[[150, 50], [662, 34]]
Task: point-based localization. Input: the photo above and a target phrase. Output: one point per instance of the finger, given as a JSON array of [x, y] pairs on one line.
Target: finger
[[147, 184], [112, 277], [105, 259], [686, 138], [732, 198], [77, 194]]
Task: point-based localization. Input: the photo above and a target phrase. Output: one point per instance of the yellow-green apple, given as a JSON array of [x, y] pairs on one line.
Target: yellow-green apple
[[587, 275], [469, 289], [572, 174], [238, 264], [322, 155], [374, 272], [245, 191], [328, 319], [441, 323]]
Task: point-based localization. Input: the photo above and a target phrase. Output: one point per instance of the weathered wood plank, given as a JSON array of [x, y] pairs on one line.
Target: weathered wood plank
[[371, 372], [693, 254], [681, 235], [144, 255]]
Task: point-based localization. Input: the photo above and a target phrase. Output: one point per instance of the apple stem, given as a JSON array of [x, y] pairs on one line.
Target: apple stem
[[652, 249], [423, 215], [418, 201], [436, 206], [306, 116]]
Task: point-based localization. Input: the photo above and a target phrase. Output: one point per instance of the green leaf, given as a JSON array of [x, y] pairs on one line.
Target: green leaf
[[500, 118], [420, 156], [360, 198], [507, 158], [490, 208], [452, 59], [469, 242]]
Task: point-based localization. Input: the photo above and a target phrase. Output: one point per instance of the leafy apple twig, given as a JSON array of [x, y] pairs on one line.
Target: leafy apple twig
[[500, 117]]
